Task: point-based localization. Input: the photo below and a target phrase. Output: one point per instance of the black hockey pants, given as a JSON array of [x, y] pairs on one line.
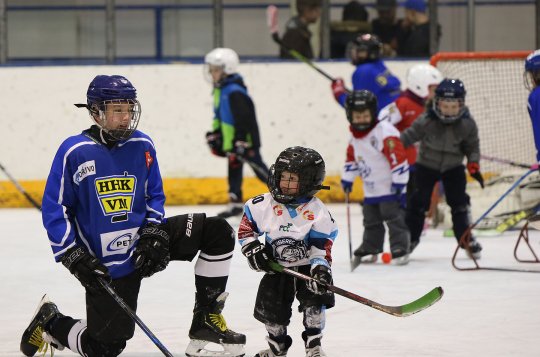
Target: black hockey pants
[[454, 182]]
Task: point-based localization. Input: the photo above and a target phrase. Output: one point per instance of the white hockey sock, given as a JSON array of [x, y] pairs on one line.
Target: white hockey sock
[[74, 337], [213, 266]]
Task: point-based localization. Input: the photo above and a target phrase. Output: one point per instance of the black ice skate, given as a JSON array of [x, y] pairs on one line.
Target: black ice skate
[[209, 326], [277, 349], [233, 210], [35, 338], [363, 256], [474, 249], [313, 345], [400, 257]]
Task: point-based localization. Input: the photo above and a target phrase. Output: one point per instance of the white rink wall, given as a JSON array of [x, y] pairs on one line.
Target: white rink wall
[[294, 106]]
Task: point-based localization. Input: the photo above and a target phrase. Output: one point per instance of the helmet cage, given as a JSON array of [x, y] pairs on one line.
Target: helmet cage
[[531, 79], [358, 101], [368, 43], [448, 119], [103, 113], [309, 168]]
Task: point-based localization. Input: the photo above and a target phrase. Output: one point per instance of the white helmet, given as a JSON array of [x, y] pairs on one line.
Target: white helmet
[[223, 57], [420, 77]]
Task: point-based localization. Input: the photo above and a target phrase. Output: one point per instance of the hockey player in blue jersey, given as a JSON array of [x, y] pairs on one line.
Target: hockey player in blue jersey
[[370, 74], [532, 82], [104, 215], [298, 233]]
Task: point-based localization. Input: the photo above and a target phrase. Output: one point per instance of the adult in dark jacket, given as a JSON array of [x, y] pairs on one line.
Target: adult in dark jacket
[[413, 37], [297, 35]]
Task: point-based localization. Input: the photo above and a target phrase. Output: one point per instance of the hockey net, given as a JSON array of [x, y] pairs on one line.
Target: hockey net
[[497, 99]]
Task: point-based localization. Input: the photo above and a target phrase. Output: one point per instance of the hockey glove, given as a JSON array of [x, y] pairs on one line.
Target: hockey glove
[[152, 252], [257, 257], [85, 267], [338, 88], [215, 142], [347, 186], [242, 148], [474, 171], [323, 275]]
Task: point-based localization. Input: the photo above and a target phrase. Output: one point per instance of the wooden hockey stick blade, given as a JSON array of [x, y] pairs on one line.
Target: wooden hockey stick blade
[[411, 308]]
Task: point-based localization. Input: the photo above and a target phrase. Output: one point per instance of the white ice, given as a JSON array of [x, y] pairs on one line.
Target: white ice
[[482, 313]]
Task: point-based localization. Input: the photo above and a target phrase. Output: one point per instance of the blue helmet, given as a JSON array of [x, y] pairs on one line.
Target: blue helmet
[[114, 90], [450, 90], [531, 76]]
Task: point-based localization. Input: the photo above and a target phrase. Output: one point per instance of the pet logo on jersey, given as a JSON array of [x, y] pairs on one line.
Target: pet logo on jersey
[[84, 170], [148, 158], [117, 242], [309, 215], [288, 249], [115, 194], [278, 210]]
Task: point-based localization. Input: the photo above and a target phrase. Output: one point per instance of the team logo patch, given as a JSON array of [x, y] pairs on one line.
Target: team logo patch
[[148, 158], [84, 170], [309, 215], [278, 210], [115, 195], [289, 250], [118, 242]]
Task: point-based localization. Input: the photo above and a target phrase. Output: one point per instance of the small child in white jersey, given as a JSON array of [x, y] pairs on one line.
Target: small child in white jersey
[[376, 153], [298, 233]]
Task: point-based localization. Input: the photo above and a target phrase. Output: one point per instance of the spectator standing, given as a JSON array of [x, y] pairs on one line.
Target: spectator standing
[[297, 35]]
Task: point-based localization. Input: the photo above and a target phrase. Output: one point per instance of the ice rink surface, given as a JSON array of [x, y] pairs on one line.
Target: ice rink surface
[[482, 313]]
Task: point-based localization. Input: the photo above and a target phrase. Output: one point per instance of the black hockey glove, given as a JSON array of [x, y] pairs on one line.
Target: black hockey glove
[[257, 257], [322, 274], [215, 143], [152, 252], [85, 267]]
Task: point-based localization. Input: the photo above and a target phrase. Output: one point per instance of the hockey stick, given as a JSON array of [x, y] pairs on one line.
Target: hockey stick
[[253, 165], [132, 314], [464, 239], [504, 161], [272, 20], [401, 311], [354, 261], [19, 187]]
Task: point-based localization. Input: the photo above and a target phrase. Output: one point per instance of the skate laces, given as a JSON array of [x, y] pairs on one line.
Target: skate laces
[[219, 321], [37, 340]]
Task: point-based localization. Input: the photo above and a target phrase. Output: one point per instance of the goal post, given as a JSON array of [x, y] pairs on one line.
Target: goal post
[[497, 99]]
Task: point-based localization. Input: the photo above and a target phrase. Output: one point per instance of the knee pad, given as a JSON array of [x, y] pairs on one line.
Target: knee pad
[[218, 236]]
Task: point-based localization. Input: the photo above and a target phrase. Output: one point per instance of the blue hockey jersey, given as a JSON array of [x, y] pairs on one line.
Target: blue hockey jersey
[[99, 198], [376, 78], [534, 112]]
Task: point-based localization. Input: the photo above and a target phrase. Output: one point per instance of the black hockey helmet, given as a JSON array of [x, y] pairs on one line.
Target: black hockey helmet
[[308, 164], [450, 90], [358, 101], [366, 42]]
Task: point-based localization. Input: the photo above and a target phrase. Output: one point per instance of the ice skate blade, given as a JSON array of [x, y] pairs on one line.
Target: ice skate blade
[[197, 348]]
